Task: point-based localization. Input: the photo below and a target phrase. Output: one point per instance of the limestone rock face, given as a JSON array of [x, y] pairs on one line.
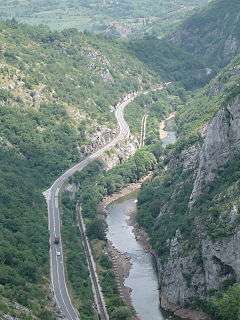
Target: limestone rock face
[[190, 271], [221, 144], [121, 152], [181, 277], [102, 136], [221, 260]]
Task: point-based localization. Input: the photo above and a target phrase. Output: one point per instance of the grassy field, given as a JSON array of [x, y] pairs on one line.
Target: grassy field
[[125, 18]]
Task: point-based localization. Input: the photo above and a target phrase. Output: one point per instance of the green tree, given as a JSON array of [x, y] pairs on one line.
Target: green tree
[[121, 313], [228, 306]]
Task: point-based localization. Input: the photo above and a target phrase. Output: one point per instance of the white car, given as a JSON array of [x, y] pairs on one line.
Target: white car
[[58, 253]]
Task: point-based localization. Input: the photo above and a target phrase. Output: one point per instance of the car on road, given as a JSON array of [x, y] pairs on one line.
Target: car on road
[[58, 253], [56, 240]]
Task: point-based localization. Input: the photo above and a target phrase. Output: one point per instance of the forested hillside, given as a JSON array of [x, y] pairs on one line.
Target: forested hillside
[[197, 50], [117, 18], [212, 34], [191, 206], [56, 93], [56, 90]]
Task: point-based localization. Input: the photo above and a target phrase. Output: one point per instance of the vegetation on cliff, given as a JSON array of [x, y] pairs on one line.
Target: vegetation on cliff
[[166, 207], [198, 49], [56, 89]]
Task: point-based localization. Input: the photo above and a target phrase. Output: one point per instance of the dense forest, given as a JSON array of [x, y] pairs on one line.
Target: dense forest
[[198, 49], [49, 82], [58, 87]]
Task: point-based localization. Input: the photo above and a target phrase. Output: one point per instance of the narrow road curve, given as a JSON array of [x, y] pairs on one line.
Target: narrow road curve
[[59, 285]]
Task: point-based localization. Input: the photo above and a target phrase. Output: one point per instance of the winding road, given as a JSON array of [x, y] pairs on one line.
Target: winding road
[[59, 285]]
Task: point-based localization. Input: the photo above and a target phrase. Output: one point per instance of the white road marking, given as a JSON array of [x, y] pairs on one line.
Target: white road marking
[[124, 132], [62, 295]]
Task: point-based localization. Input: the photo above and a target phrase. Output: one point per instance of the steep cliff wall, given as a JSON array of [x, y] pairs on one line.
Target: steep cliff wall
[[207, 258], [191, 208], [222, 143]]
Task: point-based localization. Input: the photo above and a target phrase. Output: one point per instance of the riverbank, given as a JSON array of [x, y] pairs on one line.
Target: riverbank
[[130, 188], [129, 250], [121, 261]]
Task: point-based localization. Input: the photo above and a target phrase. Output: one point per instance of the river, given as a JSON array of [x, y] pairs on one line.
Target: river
[[142, 277]]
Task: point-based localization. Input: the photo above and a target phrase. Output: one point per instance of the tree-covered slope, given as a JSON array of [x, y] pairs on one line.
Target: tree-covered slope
[[191, 208], [170, 62], [121, 18], [198, 49], [56, 90], [212, 34]]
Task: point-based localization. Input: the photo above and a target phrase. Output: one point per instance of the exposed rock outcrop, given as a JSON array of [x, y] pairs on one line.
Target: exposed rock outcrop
[[97, 139], [221, 261], [221, 144], [120, 152], [192, 269]]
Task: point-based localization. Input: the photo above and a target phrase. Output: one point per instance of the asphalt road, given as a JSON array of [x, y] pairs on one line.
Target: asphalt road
[[59, 285]]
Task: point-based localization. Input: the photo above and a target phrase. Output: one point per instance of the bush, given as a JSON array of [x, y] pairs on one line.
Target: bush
[[228, 305], [96, 229], [122, 313]]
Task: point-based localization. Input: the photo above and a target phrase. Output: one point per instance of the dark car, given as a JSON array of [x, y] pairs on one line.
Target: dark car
[[56, 240]]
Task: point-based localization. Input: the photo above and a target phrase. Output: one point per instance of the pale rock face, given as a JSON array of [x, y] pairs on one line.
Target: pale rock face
[[233, 214], [222, 142], [181, 277], [188, 158], [231, 47], [221, 260], [101, 137], [185, 275], [121, 152]]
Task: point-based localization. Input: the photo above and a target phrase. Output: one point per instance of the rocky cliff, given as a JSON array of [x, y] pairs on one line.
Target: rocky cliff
[[191, 208], [192, 270], [222, 143]]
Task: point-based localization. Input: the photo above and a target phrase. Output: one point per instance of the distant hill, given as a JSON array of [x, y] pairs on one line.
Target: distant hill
[[119, 18], [194, 53], [213, 34]]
